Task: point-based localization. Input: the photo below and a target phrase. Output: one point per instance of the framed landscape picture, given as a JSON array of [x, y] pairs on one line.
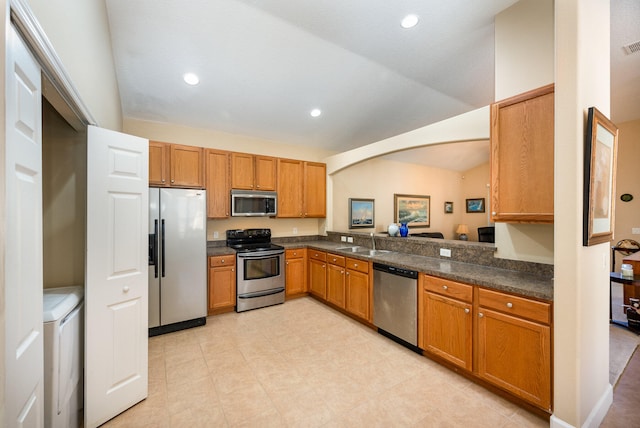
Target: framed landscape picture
[[475, 205], [361, 213], [412, 210]]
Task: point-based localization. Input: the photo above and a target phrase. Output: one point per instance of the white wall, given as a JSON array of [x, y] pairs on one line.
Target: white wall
[[582, 393], [79, 31]]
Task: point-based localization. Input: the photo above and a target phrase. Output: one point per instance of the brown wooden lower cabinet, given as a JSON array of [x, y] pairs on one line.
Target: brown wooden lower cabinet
[[445, 319], [359, 296], [336, 291], [317, 273], [295, 272], [513, 348], [222, 283]]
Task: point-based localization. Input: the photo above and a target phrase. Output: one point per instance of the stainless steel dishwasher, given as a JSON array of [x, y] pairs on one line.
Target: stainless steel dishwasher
[[395, 303]]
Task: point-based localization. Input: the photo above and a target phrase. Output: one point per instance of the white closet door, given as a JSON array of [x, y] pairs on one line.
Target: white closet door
[[116, 288], [24, 390]]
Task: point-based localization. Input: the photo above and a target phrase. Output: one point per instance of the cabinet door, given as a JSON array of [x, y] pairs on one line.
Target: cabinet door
[[265, 173], [295, 278], [315, 193], [514, 354], [318, 278], [187, 166], [522, 141], [158, 163], [358, 299], [242, 169], [336, 285], [217, 183], [290, 174], [222, 287], [446, 328]]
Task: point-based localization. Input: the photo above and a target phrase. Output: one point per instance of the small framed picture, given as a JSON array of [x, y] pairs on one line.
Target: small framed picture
[[448, 207], [361, 213], [475, 205]]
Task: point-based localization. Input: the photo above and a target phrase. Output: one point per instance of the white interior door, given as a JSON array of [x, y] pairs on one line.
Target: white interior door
[[116, 293], [23, 257]]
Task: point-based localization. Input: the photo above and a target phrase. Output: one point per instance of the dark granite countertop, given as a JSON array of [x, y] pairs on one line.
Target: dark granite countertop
[[512, 281], [219, 251]]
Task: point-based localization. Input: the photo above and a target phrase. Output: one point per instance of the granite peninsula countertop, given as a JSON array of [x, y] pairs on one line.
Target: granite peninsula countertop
[[512, 281]]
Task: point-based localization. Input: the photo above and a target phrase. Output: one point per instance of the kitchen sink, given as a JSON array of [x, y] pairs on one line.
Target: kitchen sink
[[368, 252], [353, 248]]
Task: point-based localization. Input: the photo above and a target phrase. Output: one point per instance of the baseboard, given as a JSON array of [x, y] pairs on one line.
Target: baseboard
[[596, 416]]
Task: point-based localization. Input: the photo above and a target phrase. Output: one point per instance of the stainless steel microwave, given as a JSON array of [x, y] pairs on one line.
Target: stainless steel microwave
[[253, 203]]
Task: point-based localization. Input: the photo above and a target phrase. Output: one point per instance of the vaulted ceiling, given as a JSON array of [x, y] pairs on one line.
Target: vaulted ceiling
[[265, 64]]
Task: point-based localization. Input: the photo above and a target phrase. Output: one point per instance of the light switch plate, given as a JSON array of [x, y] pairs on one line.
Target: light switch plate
[[350, 239], [635, 230], [445, 252], [343, 239], [216, 235], [295, 230]]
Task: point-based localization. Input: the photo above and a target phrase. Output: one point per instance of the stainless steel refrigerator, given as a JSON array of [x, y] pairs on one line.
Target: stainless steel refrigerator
[[177, 259]]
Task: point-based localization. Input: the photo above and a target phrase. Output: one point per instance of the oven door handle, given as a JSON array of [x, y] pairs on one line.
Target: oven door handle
[[261, 293], [260, 254]]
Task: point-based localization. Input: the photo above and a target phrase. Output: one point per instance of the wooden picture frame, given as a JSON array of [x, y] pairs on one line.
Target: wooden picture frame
[[361, 213], [475, 205], [600, 159], [448, 207], [414, 210]]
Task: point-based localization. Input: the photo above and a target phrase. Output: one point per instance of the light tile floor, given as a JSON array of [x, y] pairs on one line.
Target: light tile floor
[[303, 364]]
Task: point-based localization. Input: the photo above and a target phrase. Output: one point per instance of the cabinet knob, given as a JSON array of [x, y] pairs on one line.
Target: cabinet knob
[[444, 287], [287, 261], [341, 271], [163, 180], [125, 288], [509, 305], [480, 315], [355, 265], [347, 273], [322, 266], [258, 186], [233, 270], [466, 310], [222, 261], [173, 181], [334, 259], [493, 213]]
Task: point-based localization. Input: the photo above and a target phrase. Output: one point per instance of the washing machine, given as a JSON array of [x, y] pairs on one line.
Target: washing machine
[[63, 320]]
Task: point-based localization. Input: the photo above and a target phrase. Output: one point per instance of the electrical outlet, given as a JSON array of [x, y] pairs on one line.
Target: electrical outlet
[[343, 239], [350, 239], [295, 230], [445, 252], [216, 235], [635, 230]]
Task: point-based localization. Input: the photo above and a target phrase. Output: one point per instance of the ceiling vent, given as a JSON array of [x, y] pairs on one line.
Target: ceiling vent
[[632, 47]]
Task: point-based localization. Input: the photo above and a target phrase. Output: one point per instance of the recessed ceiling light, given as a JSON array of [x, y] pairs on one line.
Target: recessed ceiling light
[[315, 112], [191, 79], [409, 21]]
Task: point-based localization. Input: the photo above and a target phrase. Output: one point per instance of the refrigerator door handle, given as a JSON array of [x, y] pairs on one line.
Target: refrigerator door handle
[[155, 248], [164, 261]]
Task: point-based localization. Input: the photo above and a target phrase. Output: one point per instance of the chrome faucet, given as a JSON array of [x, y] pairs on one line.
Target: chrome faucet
[[373, 242]]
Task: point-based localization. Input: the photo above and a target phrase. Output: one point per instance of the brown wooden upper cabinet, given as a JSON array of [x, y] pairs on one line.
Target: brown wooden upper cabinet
[[175, 165], [217, 183], [522, 140], [301, 189], [253, 172]]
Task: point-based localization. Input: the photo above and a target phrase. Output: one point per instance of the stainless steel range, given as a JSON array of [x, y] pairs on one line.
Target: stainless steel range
[[260, 268]]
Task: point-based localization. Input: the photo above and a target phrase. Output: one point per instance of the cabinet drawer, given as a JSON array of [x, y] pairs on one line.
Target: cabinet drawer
[[335, 259], [445, 287], [318, 255], [359, 265], [514, 305], [215, 261], [296, 253]]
